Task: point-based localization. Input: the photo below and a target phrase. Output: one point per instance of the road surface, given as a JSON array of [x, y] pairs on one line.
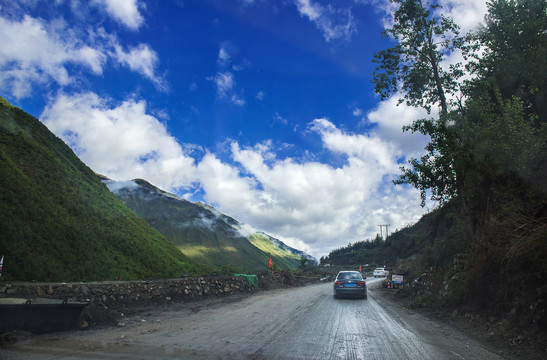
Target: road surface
[[296, 323]]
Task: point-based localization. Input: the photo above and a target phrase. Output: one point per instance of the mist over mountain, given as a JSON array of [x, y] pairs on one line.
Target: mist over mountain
[[203, 233]]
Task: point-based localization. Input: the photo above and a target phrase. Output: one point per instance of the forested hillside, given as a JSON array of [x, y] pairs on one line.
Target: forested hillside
[[488, 150], [433, 237], [486, 162], [358, 253], [59, 222]]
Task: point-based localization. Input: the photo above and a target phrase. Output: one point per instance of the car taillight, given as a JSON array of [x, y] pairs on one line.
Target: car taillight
[[338, 283], [362, 283]]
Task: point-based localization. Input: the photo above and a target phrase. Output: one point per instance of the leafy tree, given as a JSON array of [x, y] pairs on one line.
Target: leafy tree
[[378, 241], [508, 61], [361, 252], [504, 123], [489, 154], [504, 148], [504, 134], [510, 54], [413, 65], [440, 169]]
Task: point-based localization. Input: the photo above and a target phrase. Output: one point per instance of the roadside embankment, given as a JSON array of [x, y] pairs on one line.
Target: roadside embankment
[[109, 301]]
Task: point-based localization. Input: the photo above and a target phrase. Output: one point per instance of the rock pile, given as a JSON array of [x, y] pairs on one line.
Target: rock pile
[[108, 301]]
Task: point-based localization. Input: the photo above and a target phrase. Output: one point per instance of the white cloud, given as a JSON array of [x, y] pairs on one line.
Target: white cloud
[[334, 23], [224, 56], [280, 119], [385, 8], [307, 204], [389, 119], [124, 11], [224, 79], [466, 13], [224, 82], [35, 52], [121, 141], [312, 205], [307, 8], [259, 96], [32, 51], [117, 186], [365, 150], [225, 86], [143, 60], [237, 100]]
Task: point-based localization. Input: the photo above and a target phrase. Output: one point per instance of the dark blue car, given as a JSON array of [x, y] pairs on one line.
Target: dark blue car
[[350, 283]]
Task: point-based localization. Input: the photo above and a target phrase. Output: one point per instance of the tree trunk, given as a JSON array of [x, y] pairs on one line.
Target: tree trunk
[[435, 68]]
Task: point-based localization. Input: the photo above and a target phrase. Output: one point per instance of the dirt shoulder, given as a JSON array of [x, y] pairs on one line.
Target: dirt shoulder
[[110, 303], [497, 334]]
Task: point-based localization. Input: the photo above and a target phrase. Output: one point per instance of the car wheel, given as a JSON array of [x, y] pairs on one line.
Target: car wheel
[[335, 296]]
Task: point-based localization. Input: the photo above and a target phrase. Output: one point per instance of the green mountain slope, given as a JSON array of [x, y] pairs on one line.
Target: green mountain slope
[[282, 254], [203, 233], [60, 223]]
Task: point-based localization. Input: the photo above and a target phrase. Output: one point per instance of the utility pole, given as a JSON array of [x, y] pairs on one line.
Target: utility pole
[[387, 231]]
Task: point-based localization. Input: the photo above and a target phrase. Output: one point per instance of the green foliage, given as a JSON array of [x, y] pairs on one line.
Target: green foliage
[[501, 126], [413, 67], [413, 64], [283, 258], [509, 53], [504, 128], [500, 139], [436, 171], [60, 223], [275, 266], [361, 252], [486, 162]]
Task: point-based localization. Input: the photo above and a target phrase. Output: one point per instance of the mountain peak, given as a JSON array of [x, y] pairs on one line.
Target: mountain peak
[[202, 232]]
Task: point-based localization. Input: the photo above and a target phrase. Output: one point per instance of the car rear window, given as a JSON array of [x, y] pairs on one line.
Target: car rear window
[[349, 276]]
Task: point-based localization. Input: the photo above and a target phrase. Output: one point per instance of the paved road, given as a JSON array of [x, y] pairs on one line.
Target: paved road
[[297, 323]]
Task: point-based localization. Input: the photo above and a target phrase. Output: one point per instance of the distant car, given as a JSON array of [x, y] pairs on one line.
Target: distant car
[[350, 283], [379, 272]]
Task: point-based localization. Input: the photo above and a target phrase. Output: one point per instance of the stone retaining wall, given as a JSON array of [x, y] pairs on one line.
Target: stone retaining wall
[[110, 301]]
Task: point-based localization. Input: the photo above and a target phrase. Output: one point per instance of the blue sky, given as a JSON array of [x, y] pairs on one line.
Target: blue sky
[[261, 108]]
